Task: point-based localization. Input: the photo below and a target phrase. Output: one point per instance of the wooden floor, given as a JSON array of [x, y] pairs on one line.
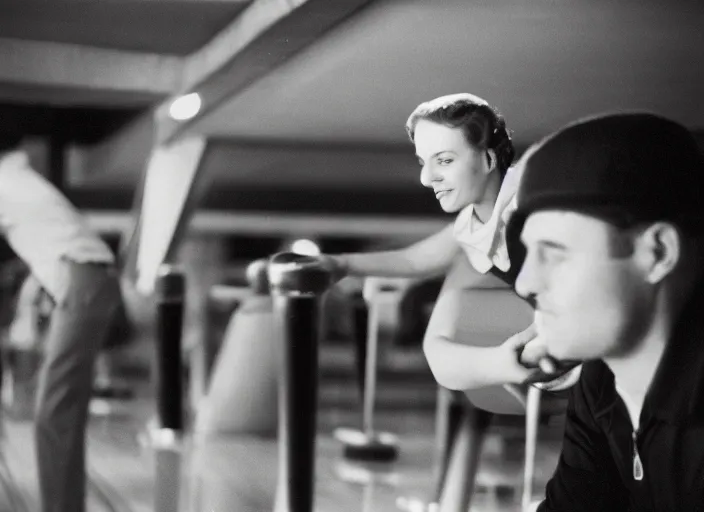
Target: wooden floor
[[239, 473]]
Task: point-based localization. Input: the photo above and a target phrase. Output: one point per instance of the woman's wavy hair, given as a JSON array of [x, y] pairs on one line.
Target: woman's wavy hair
[[483, 126]]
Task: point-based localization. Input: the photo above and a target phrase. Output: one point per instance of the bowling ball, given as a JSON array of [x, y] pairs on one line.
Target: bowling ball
[[292, 273]]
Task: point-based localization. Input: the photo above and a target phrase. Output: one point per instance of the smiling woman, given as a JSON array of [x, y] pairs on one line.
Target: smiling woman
[[465, 152], [460, 140]]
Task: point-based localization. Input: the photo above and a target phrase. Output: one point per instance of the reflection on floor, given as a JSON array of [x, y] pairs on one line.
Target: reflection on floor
[[239, 473]]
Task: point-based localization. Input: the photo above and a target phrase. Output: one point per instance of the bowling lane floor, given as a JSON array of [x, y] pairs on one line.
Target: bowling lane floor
[[238, 473]]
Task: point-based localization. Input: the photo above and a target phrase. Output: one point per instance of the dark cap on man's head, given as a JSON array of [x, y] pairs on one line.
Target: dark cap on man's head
[[636, 166]]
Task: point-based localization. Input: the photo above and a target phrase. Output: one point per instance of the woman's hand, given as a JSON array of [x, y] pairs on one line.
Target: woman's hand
[[531, 354], [526, 346], [335, 264]]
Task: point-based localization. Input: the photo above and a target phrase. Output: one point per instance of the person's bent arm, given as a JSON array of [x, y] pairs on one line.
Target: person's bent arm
[[462, 367], [431, 256]]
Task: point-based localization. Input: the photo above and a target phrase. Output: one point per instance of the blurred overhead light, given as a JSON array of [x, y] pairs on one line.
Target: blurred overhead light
[[185, 107], [305, 247]]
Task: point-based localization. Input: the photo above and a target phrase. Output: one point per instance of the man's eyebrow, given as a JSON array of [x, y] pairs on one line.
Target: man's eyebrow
[[550, 244]]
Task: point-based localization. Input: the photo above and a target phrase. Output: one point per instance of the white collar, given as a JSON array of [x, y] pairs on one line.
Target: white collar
[[485, 244]]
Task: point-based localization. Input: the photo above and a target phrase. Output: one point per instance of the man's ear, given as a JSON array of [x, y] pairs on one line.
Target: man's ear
[[660, 249], [491, 161]]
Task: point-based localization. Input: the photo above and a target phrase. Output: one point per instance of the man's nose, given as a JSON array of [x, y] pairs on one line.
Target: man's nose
[[528, 279]]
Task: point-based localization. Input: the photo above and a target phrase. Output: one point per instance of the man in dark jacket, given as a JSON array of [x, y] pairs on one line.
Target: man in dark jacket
[[611, 214]]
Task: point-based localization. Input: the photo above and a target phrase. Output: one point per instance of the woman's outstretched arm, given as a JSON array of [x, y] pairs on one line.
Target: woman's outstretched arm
[[431, 256]]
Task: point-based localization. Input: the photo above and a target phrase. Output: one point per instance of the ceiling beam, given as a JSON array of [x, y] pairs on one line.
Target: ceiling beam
[[119, 160], [165, 1], [250, 25], [34, 63], [127, 151], [262, 38], [167, 202]]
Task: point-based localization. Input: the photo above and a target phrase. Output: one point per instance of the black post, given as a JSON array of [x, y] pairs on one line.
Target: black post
[[170, 288], [297, 283], [167, 437]]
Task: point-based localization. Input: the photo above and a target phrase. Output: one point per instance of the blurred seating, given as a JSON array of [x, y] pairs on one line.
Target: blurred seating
[[242, 393], [491, 313]]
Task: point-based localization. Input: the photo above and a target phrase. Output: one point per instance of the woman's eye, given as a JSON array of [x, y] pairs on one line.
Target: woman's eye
[[446, 161]]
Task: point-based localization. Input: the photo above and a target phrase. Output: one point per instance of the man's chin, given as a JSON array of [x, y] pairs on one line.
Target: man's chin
[[566, 355], [558, 349]]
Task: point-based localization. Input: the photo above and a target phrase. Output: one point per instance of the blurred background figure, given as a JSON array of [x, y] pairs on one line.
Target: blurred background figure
[[69, 301]]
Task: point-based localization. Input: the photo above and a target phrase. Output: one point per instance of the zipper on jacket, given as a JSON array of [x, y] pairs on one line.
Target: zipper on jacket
[[637, 463]]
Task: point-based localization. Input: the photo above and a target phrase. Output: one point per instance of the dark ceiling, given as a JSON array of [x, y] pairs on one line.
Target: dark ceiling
[[33, 94], [352, 85], [71, 125], [164, 27], [80, 115]]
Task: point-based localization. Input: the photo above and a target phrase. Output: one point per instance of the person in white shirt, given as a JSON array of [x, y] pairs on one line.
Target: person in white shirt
[[77, 271], [465, 152]]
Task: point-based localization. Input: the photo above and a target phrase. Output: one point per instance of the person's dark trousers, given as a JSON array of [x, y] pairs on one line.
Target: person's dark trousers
[[76, 331]]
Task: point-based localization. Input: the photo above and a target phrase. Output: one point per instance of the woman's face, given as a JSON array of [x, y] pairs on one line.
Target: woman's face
[[457, 173]]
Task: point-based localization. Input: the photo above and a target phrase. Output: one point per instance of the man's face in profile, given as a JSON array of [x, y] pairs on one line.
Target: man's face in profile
[[590, 303]]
